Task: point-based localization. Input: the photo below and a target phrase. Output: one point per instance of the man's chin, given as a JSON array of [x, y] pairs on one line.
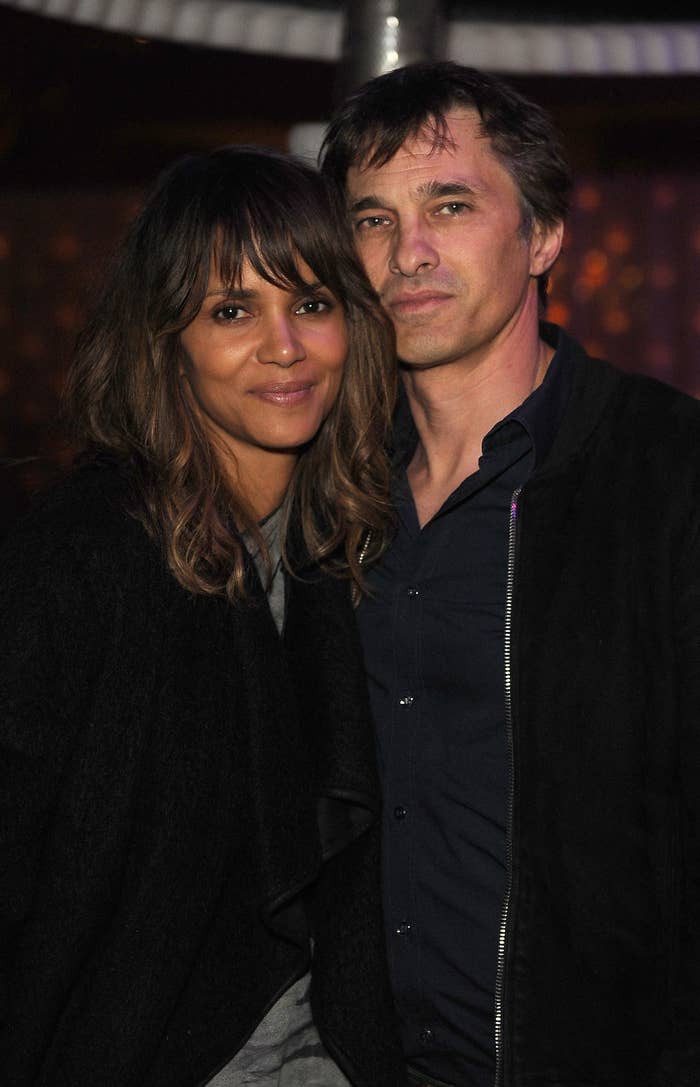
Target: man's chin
[[425, 362]]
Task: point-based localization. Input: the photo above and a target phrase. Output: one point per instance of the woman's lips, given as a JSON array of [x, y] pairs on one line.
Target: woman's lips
[[284, 392]]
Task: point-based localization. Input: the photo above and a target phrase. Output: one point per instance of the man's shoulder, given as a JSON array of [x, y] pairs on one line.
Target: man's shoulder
[[650, 432], [654, 408], [627, 399]]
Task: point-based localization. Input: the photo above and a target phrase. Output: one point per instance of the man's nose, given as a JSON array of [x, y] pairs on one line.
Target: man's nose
[[280, 342], [413, 251]]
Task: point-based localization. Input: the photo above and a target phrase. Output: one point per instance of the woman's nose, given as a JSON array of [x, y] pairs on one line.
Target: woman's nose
[[280, 342]]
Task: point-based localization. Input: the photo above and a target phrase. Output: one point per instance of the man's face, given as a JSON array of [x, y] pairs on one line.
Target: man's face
[[439, 231]]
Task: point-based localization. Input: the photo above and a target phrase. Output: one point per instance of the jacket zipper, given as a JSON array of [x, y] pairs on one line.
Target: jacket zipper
[[502, 936], [365, 546], [355, 594]]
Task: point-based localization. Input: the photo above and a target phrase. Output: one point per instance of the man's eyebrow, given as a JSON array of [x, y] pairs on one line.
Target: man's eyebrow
[[434, 189], [368, 202], [429, 190]]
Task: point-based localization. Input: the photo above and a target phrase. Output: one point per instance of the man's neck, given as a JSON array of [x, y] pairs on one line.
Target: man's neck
[[454, 408]]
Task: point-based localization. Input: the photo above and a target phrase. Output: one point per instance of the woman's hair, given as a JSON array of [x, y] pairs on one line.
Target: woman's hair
[[374, 122], [125, 394]]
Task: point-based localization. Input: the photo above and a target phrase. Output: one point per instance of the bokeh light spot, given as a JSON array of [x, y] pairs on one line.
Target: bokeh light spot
[[65, 247], [587, 197]]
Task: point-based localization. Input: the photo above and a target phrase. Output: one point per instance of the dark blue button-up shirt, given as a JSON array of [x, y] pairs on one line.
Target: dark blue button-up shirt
[[433, 636]]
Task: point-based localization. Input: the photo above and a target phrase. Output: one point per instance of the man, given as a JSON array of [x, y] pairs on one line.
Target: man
[[532, 637]]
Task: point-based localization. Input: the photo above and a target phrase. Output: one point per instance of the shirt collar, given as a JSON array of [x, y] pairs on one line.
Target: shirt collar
[[539, 415]]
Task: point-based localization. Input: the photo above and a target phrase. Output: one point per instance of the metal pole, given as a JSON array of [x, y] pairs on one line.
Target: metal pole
[[380, 35]]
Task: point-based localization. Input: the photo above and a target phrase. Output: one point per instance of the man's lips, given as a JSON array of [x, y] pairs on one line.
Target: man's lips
[[284, 392], [416, 302]]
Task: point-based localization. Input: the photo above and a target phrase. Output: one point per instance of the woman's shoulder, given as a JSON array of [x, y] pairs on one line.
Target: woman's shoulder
[[81, 517]]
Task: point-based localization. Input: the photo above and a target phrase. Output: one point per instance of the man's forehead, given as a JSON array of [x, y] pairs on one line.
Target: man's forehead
[[429, 141], [432, 150]]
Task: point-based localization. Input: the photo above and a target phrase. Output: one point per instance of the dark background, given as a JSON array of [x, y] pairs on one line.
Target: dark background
[[87, 118], [81, 105]]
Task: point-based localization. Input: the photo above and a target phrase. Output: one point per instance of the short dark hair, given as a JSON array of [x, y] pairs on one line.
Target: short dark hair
[[375, 121]]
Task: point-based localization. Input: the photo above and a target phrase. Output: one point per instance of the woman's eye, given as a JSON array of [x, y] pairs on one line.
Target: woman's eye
[[314, 305], [229, 312]]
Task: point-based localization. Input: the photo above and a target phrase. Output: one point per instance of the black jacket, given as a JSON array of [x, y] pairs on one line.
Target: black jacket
[[173, 783], [600, 985]]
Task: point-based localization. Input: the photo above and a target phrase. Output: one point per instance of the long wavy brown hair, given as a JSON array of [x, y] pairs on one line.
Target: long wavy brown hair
[[125, 394]]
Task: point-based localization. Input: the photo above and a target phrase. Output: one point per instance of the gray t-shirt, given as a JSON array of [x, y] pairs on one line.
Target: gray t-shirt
[[285, 1049], [270, 528]]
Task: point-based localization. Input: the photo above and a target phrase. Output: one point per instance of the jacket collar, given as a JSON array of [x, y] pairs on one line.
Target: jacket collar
[[594, 384]]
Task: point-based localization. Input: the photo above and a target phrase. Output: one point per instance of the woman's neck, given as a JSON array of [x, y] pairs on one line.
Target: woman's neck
[[261, 477]]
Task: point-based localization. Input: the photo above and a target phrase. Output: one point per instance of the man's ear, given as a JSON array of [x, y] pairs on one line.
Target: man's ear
[[545, 246]]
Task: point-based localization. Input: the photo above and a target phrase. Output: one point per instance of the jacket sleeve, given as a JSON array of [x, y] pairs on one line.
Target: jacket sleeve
[[38, 624], [680, 1063]]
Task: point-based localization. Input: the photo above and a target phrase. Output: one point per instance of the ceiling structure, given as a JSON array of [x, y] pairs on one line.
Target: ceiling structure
[[90, 94], [595, 39]]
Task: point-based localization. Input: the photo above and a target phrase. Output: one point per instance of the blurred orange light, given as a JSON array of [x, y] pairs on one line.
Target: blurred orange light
[[559, 313], [662, 276], [65, 247], [631, 277], [664, 195], [618, 240], [587, 197], [616, 321]]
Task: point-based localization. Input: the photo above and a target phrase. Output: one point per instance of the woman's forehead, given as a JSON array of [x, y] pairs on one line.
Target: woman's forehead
[[234, 262]]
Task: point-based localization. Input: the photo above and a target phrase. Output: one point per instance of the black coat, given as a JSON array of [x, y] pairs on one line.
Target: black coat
[[602, 953], [174, 781]]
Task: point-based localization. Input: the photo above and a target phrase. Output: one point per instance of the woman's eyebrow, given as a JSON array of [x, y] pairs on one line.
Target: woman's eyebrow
[[231, 292], [244, 294]]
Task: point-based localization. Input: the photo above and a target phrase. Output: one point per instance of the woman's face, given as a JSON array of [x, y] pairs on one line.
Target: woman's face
[[265, 364]]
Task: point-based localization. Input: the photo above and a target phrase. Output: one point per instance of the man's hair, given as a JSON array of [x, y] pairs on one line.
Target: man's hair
[[126, 395], [374, 122]]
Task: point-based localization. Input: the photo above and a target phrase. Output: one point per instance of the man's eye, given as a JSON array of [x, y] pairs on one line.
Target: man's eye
[[372, 222], [455, 207]]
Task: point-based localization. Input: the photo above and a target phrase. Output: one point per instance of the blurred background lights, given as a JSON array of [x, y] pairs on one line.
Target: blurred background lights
[[587, 197], [618, 240], [662, 275]]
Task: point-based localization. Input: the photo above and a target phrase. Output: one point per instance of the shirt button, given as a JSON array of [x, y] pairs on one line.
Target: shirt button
[[403, 928], [400, 812], [426, 1036], [406, 700]]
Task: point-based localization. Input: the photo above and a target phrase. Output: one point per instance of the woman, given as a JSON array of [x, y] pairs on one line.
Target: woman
[[188, 791]]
